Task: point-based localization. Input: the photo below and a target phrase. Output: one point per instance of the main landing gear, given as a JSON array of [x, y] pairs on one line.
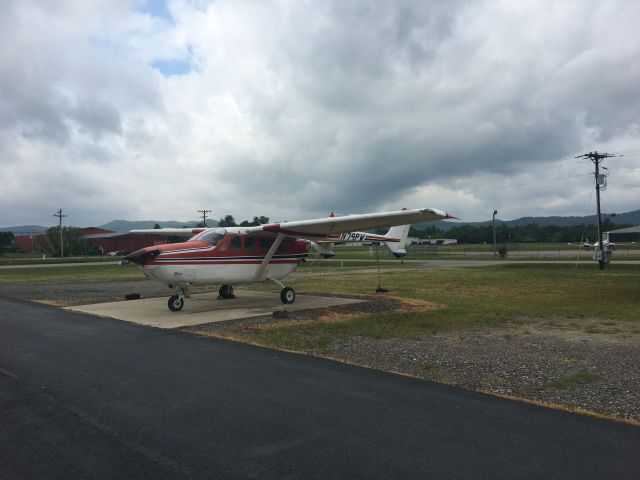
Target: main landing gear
[[226, 291], [176, 301], [287, 294]]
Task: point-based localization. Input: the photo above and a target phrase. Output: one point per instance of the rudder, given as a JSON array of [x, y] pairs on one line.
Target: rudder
[[399, 234]]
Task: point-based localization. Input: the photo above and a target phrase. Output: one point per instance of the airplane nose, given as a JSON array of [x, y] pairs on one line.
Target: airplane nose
[[140, 256]]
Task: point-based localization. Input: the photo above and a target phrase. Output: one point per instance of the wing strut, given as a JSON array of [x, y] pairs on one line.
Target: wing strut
[[260, 272]]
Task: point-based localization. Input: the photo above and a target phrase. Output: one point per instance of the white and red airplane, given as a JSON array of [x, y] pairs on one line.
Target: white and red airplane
[[236, 255]]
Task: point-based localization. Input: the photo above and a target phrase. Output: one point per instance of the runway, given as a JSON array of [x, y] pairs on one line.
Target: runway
[[89, 397]]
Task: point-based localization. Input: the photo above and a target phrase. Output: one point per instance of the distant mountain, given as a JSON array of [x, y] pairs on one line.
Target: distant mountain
[[115, 225], [24, 229], [126, 225], [630, 218]]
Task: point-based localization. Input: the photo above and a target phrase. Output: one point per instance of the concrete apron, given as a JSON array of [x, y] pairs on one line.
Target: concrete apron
[[205, 308]]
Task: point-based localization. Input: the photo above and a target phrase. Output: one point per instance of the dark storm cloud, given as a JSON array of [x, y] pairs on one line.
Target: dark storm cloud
[[294, 109], [406, 93], [96, 117]]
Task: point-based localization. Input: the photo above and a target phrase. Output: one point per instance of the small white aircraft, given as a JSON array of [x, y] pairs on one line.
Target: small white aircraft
[[586, 244], [236, 255]]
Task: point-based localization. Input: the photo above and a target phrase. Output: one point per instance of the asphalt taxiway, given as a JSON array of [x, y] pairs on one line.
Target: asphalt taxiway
[[89, 397]]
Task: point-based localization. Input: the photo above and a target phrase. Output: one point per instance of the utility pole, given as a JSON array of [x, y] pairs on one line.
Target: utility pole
[[493, 222], [60, 217], [596, 158], [204, 217]]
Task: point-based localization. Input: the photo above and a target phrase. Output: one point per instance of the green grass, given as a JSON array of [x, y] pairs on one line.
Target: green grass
[[71, 274], [570, 381], [428, 367], [485, 296], [36, 259]]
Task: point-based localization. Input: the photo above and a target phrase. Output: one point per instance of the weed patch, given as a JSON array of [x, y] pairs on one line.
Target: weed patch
[[570, 381]]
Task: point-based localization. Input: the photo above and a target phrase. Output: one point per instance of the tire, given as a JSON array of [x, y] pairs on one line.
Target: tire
[[287, 295], [226, 291], [176, 303]]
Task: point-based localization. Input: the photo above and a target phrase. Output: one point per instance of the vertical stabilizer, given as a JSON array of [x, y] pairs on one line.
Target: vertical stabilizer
[[397, 240]]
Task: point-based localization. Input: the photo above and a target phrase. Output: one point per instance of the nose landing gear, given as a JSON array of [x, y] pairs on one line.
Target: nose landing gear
[[176, 301]]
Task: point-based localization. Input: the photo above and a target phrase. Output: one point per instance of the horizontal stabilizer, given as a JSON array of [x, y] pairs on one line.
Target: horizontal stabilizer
[[325, 249]]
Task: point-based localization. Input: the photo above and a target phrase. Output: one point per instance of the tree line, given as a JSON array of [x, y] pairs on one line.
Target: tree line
[[531, 233], [229, 221], [6, 241]]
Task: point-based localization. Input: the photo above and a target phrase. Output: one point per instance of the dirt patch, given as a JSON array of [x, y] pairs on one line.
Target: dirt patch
[[55, 303], [231, 328]]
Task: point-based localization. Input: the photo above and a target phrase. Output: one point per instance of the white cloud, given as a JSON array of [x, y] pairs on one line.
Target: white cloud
[[294, 109]]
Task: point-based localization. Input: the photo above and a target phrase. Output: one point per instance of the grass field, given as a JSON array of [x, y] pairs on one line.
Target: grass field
[[512, 295], [37, 259], [71, 274]]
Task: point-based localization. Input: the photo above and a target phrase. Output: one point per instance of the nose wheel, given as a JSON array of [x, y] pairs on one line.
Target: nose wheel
[[176, 302]]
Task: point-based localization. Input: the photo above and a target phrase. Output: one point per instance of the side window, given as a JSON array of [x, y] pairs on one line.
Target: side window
[[283, 246], [236, 244], [249, 244]]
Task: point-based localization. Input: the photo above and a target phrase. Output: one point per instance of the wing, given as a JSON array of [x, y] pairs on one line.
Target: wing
[[168, 232], [324, 227]]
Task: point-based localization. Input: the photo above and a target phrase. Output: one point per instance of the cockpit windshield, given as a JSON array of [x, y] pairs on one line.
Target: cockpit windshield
[[211, 236]]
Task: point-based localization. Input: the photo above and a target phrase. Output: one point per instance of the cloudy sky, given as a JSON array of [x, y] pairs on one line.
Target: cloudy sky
[[292, 109]]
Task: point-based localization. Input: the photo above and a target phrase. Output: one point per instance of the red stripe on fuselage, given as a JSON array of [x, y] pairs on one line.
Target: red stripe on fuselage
[[223, 262]]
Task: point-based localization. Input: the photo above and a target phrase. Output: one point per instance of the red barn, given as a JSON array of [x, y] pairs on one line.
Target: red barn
[[25, 243], [108, 241]]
